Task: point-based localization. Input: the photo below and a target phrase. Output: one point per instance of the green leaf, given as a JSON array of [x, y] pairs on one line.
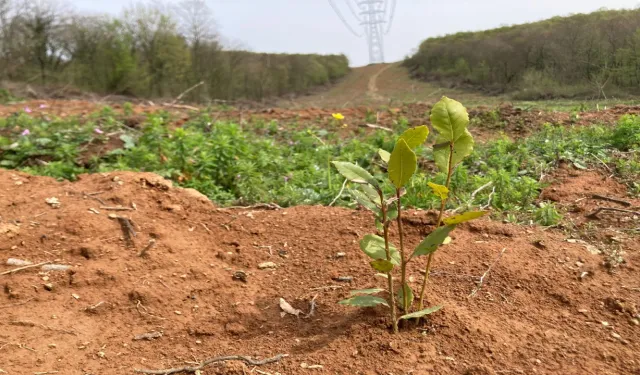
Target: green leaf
[[364, 301], [373, 246], [467, 216], [440, 190], [371, 193], [415, 136], [401, 293], [366, 291], [128, 140], [431, 243], [462, 148], [421, 313], [42, 141], [364, 200], [450, 119], [384, 155], [382, 265], [355, 173], [402, 164]]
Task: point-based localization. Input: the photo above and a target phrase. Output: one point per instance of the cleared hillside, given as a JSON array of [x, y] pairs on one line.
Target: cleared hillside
[[585, 55]]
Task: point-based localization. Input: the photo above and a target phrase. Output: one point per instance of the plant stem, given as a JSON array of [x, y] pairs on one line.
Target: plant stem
[[443, 205], [392, 300], [405, 297]]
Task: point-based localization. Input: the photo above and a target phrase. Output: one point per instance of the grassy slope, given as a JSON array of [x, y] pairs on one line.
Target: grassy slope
[[395, 87]]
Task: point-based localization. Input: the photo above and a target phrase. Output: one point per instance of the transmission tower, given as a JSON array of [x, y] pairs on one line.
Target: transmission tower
[[371, 15]]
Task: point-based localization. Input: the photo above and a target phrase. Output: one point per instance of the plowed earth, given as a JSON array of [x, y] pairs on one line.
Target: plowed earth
[[547, 306]]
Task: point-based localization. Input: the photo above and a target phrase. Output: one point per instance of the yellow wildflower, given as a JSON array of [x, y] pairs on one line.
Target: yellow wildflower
[[338, 116]]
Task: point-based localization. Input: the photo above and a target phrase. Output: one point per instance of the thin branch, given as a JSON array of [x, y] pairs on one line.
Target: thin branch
[[594, 214], [373, 126], [493, 192], [187, 91], [344, 184], [603, 163], [116, 208], [202, 365], [481, 281], [24, 268], [614, 200], [268, 206]]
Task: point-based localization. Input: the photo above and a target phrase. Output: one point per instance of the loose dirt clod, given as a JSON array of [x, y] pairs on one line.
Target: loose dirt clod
[[288, 309], [148, 336], [267, 265]]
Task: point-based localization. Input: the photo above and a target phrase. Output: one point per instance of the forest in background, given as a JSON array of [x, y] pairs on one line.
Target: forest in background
[[584, 55], [151, 50]]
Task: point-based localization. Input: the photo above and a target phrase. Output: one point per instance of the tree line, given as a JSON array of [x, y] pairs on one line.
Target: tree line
[[591, 55], [151, 50]]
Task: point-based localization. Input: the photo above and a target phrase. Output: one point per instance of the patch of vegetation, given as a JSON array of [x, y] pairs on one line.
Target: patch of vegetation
[[151, 50], [231, 164], [6, 97], [583, 55]]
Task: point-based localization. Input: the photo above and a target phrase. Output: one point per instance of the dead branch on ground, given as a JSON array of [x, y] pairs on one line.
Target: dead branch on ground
[[266, 206], [151, 245], [24, 268], [187, 91], [195, 369], [594, 214], [610, 199], [480, 283]]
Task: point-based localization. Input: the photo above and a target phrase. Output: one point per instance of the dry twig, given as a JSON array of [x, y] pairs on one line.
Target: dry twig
[[26, 323], [614, 200], [202, 365], [373, 126], [344, 184], [187, 91], [481, 280], [24, 268], [267, 206], [594, 214], [151, 245], [108, 208]]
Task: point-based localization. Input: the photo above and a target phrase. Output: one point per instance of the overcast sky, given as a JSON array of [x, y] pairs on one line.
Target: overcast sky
[[311, 26]]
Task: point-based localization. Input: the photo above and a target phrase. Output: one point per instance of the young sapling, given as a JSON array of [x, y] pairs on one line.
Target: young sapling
[[453, 143]]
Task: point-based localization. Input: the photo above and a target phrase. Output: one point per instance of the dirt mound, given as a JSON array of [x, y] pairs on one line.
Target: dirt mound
[[547, 306]]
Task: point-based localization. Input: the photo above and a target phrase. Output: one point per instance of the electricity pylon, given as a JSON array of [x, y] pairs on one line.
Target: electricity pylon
[[372, 16]]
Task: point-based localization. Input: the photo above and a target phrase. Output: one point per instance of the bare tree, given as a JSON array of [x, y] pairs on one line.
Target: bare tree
[[45, 24], [195, 21]]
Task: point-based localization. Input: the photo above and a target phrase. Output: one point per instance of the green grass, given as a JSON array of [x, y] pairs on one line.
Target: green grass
[[235, 165]]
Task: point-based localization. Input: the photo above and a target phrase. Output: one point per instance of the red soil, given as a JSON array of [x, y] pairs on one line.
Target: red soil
[[534, 314]]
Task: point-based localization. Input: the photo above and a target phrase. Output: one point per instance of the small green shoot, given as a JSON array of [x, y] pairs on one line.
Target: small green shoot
[[453, 144]]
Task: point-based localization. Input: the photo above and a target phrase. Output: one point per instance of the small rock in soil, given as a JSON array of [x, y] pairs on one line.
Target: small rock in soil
[[240, 275], [48, 287], [343, 279], [148, 336], [267, 265]]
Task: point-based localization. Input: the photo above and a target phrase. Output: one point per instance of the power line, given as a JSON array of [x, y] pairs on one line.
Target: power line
[[344, 21], [353, 11], [393, 14], [372, 16]]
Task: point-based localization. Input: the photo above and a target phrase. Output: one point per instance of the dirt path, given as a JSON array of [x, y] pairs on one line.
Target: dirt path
[[548, 306], [372, 86]]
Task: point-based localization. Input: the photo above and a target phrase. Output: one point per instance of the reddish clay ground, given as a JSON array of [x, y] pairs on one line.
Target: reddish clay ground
[[548, 306]]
